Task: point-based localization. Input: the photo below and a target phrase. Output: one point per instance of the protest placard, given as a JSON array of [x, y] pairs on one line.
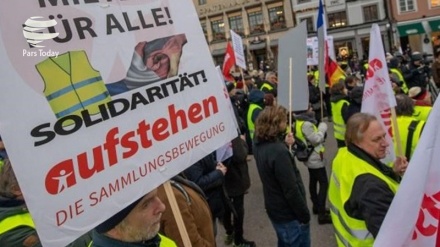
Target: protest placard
[[101, 102]]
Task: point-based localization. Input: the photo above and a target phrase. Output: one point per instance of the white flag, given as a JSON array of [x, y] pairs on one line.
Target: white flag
[[378, 97], [413, 217]]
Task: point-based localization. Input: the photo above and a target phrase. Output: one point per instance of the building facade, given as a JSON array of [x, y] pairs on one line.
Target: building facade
[[416, 24], [348, 22], [260, 23]]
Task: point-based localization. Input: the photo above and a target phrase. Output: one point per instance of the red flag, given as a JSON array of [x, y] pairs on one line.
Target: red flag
[[228, 63]]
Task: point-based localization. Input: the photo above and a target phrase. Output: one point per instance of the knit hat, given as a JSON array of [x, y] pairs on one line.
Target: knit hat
[[111, 222], [417, 93], [230, 86]]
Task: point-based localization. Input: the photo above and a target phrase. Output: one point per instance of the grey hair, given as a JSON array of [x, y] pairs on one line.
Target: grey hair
[[269, 74], [405, 105]]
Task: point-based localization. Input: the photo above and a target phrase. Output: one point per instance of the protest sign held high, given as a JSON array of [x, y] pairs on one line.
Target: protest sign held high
[[101, 102]]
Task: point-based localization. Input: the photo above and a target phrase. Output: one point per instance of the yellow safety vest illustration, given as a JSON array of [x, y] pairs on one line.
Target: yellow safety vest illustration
[[72, 85]]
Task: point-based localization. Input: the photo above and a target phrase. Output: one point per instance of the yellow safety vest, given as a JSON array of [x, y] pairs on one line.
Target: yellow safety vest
[[300, 134], [422, 112], [250, 123], [164, 242], [397, 72], [346, 168], [72, 85], [338, 120], [266, 85], [403, 122], [15, 221]]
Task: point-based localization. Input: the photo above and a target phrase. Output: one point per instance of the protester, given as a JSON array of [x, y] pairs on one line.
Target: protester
[[195, 213], [236, 184], [16, 225], [416, 73], [307, 132], [361, 186], [209, 174], [256, 105], [339, 101], [283, 189], [410, 128], [136, 225], [422, 103], [269, 86], [355, 102], [314, 97]]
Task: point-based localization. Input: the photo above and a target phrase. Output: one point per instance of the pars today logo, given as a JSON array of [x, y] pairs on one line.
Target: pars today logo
[[35, 32]]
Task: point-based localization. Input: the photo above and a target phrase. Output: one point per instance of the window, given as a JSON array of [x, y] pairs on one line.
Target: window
[[435, 3], [236, 24], [370, 13], [276, 18], [406, 5], [205, 31], [337, 19], [202, 2], [218, 30], [256, 22], [303, 1], [309, 22]]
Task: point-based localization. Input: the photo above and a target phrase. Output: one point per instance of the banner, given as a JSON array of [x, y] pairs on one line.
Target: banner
[[312, 51], [300, 87], [378, 97], [101, 102], [413, 217], [237, 44]]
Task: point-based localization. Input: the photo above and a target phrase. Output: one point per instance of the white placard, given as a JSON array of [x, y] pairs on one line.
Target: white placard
[[102, 102]]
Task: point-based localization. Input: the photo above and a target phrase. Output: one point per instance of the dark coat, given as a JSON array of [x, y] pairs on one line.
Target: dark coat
[[210, 180], [283, 189], [237, 180]]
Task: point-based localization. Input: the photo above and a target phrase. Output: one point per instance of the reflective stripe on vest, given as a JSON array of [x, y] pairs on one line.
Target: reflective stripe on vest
[[266, 85], [346, 168], [404, 87], [338, 120], [403, 122], [300, 134], [15, 221], [422, 112], [72, 85], [250, 123]]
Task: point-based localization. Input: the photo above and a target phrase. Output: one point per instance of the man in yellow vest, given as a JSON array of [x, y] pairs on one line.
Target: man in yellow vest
[[256, 105], [339, 102], [410, 128], [16, 225], [136, 225], [269, 86], [394, 69], [361, 186], [422, 102]]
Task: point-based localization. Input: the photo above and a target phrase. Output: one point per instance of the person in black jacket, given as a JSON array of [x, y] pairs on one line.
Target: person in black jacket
[[208, 174], [283, 189]]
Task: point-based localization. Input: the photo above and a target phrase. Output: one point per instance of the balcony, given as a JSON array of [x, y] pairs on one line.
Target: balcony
[[218, 37]]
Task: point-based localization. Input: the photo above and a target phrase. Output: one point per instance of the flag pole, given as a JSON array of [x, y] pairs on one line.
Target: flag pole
[[290, 98], [177, 215], [396, 132]]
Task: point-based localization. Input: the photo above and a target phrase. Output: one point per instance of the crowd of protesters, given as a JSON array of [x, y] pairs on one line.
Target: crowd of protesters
[[360, 189]]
